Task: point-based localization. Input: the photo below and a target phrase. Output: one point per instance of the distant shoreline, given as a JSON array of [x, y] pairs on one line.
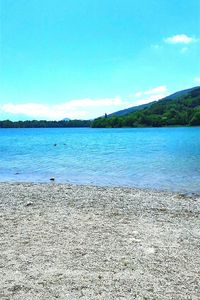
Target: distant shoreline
[[178, 109], [89, 127]]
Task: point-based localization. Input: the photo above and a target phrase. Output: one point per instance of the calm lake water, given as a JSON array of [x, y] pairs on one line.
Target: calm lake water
[[158, 158]]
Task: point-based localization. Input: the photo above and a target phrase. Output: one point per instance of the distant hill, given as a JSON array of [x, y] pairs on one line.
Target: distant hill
[[130, 109], [147, 105], [181, 108], [181, 93]]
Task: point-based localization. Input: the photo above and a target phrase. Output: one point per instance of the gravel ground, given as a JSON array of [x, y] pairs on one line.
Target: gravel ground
[[62, 241]]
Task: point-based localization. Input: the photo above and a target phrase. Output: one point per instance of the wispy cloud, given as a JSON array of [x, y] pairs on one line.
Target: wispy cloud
[[138, 94], [80, 108], [156, 90], [197, 79], [154, 94], [180, 39], [87, 108]]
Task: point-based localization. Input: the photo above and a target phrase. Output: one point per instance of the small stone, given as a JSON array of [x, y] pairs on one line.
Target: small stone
[[29, 203], [150, 250]]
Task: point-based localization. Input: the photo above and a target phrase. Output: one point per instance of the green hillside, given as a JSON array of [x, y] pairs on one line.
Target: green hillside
[[182, 109]]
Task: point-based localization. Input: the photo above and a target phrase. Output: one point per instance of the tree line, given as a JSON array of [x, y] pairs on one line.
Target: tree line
[[182, 111], [44, 124]]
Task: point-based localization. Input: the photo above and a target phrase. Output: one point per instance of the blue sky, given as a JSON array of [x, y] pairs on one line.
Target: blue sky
[[80, 59]]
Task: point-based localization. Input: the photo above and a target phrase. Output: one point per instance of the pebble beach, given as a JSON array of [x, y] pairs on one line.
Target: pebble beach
[[60, 241]]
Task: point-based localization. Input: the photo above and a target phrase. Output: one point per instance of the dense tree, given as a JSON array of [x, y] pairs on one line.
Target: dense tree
[[182, 111], [44, 124]]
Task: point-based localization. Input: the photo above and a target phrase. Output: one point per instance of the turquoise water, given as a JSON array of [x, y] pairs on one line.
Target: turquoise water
[[158, 158]]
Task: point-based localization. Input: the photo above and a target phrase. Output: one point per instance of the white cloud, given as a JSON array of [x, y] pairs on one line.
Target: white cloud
[[197, 79], [138, 94], [81, 108], [180, 39], [149, 99], [156, 90], [154, 94]]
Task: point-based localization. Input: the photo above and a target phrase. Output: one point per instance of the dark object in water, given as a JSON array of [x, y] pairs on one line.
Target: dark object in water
[[17, 173], [52, 179], [55, 145]]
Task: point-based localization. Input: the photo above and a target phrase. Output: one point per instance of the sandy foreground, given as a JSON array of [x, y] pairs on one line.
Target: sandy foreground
[[62, 241]]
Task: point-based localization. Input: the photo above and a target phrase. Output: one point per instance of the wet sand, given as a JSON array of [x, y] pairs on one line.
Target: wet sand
[[62, 241]]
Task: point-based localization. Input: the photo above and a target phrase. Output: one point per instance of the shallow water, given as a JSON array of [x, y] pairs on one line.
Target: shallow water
[[157, 158]]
